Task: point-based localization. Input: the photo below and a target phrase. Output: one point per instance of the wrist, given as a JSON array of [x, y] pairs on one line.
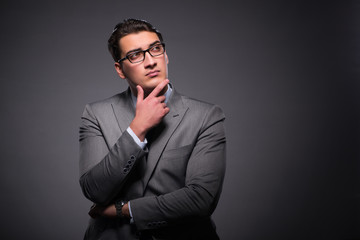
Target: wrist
[[125, 210], [139, 131]]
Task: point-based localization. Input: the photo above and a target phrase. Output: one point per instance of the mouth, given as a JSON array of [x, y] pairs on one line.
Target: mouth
[[153, 73]]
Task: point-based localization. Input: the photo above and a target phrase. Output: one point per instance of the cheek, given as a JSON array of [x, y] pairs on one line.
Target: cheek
[[132, 73]]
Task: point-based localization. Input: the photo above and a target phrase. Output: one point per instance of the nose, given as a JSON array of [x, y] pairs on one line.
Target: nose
[[149, 61]]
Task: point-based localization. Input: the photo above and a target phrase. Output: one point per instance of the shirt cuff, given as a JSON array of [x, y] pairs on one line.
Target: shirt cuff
[[136, 139], [131, 217]]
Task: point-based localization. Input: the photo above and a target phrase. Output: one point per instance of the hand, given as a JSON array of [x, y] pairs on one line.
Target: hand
[[97, 211], [149, 111]]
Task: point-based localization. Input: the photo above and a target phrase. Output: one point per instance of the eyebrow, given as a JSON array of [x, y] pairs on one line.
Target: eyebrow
[[139, 49]]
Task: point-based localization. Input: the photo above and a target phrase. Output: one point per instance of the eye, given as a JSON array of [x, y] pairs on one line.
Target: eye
[[157, 48], [134, 56]]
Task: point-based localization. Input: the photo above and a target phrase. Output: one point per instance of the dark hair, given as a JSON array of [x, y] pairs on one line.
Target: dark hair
[[124, 28]]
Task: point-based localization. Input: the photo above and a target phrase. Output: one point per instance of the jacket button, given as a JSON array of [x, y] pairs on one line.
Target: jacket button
[[132, 157], [125, 170]]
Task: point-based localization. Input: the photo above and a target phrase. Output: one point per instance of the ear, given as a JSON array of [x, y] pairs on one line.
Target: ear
[[119, 70]]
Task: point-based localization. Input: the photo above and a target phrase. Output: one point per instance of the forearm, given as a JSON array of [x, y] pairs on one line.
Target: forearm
[[103, 181], [196, 200], [190, 202]]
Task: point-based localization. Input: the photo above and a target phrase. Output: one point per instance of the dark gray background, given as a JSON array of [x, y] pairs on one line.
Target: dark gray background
[[285, 73]]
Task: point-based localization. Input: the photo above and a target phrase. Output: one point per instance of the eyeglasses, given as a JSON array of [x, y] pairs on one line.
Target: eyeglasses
[[139, 56]]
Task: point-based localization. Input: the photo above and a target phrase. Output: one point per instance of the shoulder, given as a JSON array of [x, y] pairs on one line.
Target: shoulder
[[203, 117], [201, 108], [198, 104], [104, 106]]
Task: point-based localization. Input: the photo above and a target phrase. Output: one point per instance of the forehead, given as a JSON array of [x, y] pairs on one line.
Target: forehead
[[137, 40]]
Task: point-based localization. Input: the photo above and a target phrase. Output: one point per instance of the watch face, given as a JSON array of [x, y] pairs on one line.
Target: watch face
[[118, 207]]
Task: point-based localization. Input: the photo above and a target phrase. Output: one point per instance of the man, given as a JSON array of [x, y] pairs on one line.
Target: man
[[151, 160]]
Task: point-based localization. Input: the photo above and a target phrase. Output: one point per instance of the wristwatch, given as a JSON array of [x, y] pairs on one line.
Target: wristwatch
[[119, 205]]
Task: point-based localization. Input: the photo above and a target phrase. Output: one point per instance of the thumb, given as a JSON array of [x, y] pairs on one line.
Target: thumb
[[140, 93]]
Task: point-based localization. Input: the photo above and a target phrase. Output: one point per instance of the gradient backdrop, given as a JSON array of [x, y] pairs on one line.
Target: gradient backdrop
[[285, 73]]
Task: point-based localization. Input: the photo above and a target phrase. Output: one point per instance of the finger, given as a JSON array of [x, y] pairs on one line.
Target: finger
[[159, 88], [161, 98], [140, 93]]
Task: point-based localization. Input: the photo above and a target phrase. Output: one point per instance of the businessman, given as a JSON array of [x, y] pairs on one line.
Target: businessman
[[151, 160]]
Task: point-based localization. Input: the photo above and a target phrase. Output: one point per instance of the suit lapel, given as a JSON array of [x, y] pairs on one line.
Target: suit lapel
[[163, 132], [124, 110]]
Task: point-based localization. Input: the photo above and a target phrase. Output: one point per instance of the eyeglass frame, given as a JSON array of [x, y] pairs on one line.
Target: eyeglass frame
[[144, 52]]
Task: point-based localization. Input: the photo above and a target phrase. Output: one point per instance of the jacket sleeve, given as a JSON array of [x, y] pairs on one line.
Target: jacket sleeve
[[204, 178], [104, 169]]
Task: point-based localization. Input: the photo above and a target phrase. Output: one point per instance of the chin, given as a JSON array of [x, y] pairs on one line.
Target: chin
[[149, 86], [152, 83]]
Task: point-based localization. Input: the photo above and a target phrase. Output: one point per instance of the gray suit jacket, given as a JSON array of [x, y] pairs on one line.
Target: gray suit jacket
[[173, 185]]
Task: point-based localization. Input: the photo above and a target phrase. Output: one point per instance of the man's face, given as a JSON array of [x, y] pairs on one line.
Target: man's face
[[149, 73]]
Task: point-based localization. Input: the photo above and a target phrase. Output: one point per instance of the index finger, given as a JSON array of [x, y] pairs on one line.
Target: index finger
[[140, 93], [159, 88]]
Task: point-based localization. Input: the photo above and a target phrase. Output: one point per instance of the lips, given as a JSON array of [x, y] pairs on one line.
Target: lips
[[153, 73]]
